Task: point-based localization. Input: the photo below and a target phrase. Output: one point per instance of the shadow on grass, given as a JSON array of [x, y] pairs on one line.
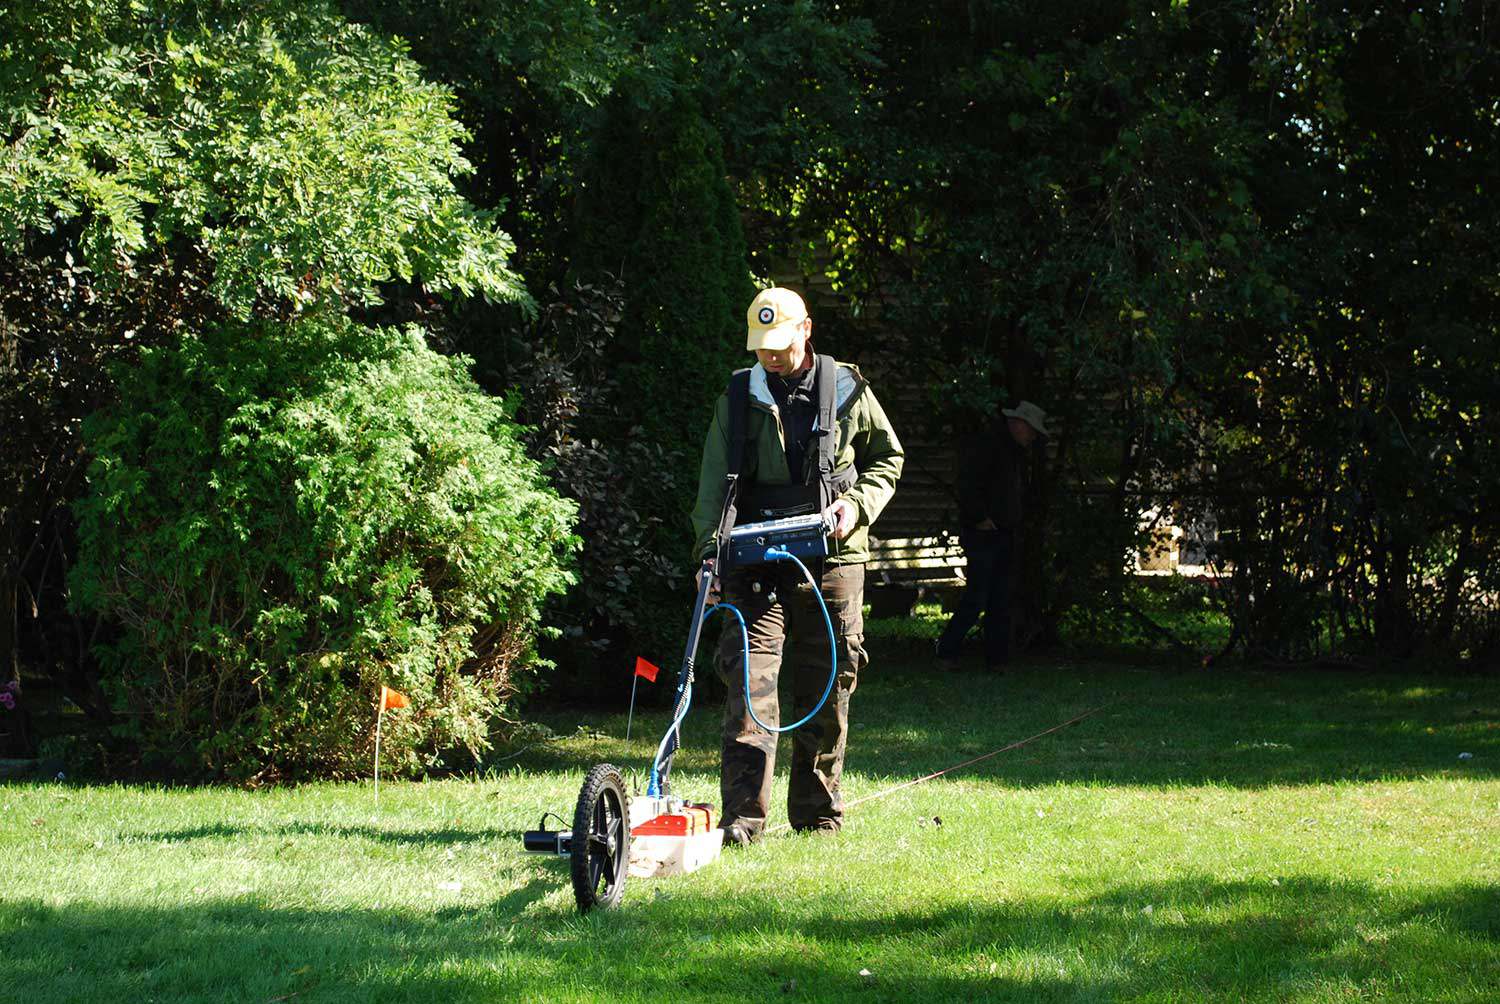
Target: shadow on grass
[[1187, 939], [1243, 728], [437, 838]]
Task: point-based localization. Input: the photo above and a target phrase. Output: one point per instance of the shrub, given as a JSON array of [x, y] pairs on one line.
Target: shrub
[[285, 516], [172, 169], [657, 212], [575, 406]]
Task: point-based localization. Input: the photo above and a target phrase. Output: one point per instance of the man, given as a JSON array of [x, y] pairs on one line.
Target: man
[[789, 464], [990, 464]]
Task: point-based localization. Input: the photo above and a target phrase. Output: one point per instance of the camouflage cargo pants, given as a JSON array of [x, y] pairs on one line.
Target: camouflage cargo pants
[[786, 627]]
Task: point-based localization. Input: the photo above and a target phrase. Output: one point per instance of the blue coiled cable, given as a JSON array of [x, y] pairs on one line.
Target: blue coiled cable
[[772, 554]]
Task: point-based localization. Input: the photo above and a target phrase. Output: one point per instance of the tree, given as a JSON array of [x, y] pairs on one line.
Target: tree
[[1365, 417], [189, 175], [1233, 248], [1049, 201]]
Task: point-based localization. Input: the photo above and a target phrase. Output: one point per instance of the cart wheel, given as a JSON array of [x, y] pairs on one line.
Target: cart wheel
[[601, 839]]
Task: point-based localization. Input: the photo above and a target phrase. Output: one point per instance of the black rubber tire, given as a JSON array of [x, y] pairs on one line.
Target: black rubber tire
[[601, 839]]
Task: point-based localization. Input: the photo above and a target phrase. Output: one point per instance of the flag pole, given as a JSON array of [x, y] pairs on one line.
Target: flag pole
[[635, 679], [378, 716]]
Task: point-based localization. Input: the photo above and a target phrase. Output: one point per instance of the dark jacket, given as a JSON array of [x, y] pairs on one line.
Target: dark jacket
[[988, 479], [866, 440]]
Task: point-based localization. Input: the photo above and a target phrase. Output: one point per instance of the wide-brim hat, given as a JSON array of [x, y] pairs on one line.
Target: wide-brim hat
[[773, 319], [1031, 415]]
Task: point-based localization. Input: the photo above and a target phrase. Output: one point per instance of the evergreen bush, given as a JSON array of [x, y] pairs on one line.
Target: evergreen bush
[[655, 217], [284, 509], [285, 516], [657, 211]]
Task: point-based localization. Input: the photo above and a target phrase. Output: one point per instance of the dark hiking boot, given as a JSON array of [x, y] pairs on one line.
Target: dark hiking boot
[[828, 826], [737, 835]]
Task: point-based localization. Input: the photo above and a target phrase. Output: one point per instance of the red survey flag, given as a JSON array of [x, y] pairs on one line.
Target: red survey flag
[[644, 668], [392, 699]]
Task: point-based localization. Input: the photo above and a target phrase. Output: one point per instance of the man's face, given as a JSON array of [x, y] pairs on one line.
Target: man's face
[[1021, 431], [785, 362]]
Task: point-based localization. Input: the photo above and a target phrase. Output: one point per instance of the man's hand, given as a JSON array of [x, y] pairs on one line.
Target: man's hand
[[843, 515], [707, 569]]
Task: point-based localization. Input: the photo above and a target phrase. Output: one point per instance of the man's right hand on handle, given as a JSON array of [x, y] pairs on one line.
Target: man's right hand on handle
[[706, 569]]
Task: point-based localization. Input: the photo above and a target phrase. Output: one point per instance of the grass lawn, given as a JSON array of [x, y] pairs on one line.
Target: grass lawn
[[1232, 836]]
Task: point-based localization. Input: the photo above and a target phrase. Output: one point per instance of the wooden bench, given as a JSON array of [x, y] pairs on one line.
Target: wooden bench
[[902, 571]]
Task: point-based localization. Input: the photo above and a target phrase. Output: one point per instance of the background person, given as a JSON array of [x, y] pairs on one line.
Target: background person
[[783, 471], [991, 462]]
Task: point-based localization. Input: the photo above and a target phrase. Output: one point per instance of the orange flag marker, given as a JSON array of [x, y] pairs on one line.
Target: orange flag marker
[[388, 699], [642, 669]]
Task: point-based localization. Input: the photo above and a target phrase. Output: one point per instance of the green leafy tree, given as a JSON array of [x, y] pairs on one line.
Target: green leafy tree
[[1354, 440], [280, 533], [528, 75], [223, 183], [304, 156], [1234, 249], [1049, 201]]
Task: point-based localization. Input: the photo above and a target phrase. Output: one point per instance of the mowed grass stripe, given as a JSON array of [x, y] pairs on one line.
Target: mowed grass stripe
[[1223, 837]]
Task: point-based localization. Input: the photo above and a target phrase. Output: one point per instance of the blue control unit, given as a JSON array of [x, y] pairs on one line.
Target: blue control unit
[[806, 537]]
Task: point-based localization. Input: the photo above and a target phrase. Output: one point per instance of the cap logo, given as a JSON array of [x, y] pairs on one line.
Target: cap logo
[[766, 315]]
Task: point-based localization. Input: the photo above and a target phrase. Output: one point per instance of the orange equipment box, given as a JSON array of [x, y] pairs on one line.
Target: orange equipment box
[[690, 820]]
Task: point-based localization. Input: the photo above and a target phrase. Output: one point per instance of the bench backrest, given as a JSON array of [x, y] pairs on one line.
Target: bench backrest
[[916, 560]]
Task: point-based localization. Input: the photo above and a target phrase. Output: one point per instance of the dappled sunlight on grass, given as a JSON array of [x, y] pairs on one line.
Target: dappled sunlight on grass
[[1244, 728], [1221, 837], [1293, 938], [1425, 693]]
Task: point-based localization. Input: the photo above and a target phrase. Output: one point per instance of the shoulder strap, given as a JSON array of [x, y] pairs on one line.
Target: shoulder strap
[[827, 380], [739, 404], [827, 431]]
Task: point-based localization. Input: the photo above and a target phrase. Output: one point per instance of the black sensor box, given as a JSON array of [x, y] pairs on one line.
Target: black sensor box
[[806, 537]]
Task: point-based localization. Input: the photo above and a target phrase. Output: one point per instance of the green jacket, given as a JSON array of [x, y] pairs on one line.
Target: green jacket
[[866, 440]]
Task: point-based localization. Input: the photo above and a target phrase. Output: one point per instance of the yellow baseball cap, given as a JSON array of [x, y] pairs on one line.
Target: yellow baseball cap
[[773, 318]]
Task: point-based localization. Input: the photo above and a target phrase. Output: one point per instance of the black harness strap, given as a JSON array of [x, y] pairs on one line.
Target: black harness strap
[[827, 428], [739, 404]]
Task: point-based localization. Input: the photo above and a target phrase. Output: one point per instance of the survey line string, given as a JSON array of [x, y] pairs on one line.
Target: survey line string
[[967, 763]]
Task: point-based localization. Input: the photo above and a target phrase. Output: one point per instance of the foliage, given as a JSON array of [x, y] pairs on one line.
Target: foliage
[[61, 339], [1355, 441], [306, 155], [656, 209], [919, 628], [622, 400], [1233, 250], [14, 738], [536, 79], [619, 138], [1167, 616], [285, 517], [573, 404], [528, 76], [223, 171], [1044, 200], [1237, 250]]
